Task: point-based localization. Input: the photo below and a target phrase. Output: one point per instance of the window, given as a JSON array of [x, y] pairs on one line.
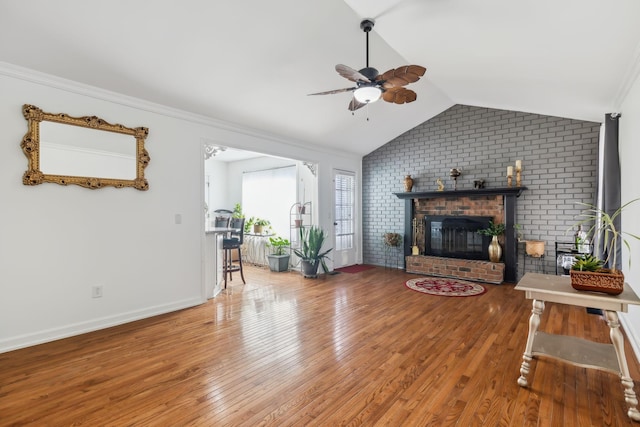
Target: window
[[345, 207], [269, 194]]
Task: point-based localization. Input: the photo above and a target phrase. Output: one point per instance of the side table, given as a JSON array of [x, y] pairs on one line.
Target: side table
[[543, 288]]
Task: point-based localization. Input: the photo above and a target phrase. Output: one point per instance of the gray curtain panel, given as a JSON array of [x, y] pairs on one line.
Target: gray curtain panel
[[611, 179]]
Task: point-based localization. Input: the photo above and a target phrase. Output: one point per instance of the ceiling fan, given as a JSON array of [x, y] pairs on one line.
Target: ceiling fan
[[371, 86]]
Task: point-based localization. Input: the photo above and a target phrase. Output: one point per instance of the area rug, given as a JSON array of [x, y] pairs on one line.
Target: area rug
[[443, 286], [355, 268]]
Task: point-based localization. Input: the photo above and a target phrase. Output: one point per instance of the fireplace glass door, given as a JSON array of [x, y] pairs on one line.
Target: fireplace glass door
[[456, 236]]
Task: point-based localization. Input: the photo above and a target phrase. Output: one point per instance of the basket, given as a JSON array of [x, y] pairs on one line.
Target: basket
[[392, 239], [601, 281], [534, 248]]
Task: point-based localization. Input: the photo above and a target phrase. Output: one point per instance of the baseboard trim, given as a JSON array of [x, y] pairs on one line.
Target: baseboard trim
[[54, 334]]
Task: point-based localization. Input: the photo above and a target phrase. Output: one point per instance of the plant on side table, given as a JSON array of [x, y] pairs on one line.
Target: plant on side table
[[311, 240], [258, 224], [586, 262], [587, 272], [279, 257], [494, 230]]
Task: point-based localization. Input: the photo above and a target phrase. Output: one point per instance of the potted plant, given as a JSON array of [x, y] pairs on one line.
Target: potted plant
[[494, 230], [587, 273], [237, 211], [586, 262], [258, 224], [310, 251], [392, 239], [278, 258], [248, 225]]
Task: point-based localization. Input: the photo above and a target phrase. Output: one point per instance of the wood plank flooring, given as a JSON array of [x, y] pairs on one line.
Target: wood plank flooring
[[344, 349]]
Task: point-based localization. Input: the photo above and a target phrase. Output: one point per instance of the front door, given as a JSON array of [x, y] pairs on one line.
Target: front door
[[344, 220]]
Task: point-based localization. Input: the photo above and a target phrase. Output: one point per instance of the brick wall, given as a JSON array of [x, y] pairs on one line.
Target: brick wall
[[471, 206], [559, 159]]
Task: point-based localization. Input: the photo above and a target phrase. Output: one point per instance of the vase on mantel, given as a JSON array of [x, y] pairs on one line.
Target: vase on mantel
[[495, 250], [408, 183]]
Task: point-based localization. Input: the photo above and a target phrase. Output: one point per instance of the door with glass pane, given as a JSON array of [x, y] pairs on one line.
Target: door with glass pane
[[344, 219]]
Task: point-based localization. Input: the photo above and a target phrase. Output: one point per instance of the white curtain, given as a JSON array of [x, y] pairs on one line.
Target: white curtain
[[269, 194]]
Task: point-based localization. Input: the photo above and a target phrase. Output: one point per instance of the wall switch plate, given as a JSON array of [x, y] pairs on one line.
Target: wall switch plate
[[177, 219], [96, 291]]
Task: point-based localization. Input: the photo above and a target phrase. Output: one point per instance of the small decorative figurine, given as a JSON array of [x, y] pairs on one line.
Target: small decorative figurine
[[440, 184], [455, 173]]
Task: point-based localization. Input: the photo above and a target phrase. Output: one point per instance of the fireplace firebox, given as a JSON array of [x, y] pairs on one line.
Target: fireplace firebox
[[456, 236]]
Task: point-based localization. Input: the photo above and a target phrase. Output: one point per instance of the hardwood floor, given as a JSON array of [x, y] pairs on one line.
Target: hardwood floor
[[345, 349]]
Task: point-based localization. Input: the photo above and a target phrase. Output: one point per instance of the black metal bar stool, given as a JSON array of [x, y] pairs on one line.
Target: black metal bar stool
[[222, 218], [233, 241]]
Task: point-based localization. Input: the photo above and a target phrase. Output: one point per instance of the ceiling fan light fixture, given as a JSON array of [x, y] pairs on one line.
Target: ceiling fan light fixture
[[371, 85], [367, 94]]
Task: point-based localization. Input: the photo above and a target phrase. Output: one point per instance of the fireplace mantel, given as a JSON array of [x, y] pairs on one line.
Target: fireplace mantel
[[511, 191], [510, 195]]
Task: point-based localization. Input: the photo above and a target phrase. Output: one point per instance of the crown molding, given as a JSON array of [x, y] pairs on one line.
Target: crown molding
[[72, 86]]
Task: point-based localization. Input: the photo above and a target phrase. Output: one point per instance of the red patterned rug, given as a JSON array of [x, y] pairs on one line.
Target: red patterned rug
[[446, 287], [354, 268]]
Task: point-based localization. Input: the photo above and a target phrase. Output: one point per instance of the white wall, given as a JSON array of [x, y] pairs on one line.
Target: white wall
[[217, 195], [629, 155], [56, 242]]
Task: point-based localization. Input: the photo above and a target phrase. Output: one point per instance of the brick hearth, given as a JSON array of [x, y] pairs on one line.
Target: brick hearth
[[480, 271]]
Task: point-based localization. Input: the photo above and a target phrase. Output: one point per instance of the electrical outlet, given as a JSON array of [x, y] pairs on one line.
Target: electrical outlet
[[96, 291]]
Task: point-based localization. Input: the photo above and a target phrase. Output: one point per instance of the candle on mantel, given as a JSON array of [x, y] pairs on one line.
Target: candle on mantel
[[518, 165], [509, 170]]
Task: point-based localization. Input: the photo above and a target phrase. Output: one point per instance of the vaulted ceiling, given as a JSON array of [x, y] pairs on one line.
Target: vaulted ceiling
[[253, 62]]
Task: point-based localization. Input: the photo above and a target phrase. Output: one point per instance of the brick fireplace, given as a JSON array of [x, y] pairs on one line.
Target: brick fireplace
[[498, 204]]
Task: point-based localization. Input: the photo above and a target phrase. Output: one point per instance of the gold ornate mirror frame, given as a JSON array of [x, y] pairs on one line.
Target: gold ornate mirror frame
[[32, 148]]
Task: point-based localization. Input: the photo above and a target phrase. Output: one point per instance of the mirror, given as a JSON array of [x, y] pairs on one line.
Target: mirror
[[68, 150]]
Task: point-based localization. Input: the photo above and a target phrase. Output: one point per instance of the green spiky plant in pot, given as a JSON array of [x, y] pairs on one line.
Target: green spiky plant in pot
[[310, 251], [587, 272]]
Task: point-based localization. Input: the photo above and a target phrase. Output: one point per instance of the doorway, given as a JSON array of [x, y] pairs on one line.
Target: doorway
[[344, 220], [223, 173]]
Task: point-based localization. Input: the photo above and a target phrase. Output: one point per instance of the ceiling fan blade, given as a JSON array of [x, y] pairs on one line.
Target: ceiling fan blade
[[399, 95], [355, 104], [402, 76], [351, 74], [330, 92]]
